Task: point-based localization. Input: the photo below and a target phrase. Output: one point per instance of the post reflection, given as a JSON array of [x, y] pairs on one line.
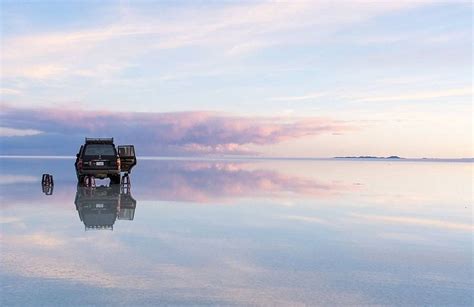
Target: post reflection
[[47, 189], [47, 184], [99, 207]]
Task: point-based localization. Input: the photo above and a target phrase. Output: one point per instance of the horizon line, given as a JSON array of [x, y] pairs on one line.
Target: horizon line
[[401, 159]]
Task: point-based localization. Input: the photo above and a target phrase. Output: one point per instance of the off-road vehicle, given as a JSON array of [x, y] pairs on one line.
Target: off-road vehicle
[[99, 158]]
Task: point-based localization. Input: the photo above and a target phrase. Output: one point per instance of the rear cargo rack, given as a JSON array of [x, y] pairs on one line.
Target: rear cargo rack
[[99, 227], [99, 140]]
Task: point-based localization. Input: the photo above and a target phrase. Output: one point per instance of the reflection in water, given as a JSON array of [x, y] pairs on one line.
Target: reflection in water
[[191, 181], [207, 182], [290, 233], [47, 189], [47, 184], [99, 207]]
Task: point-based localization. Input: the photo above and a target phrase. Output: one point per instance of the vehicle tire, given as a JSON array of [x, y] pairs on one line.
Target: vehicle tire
[[114, 179], [80, 179]]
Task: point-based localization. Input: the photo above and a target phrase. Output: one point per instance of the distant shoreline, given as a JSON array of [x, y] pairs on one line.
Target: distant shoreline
[[371, 157], [256, 158]]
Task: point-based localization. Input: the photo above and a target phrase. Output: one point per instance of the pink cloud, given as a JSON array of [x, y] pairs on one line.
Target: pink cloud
[[171, 133]]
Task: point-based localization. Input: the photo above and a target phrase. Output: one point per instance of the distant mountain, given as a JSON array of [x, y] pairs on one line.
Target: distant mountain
[[369, 157]]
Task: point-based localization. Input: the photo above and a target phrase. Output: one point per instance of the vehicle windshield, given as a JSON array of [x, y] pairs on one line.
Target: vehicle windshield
[[100, 150]]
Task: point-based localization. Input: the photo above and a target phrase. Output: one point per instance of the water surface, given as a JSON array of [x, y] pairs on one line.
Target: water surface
[[239, 232]]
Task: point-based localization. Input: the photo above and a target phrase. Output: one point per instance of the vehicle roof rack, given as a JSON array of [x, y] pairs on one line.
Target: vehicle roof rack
[[99, 140]]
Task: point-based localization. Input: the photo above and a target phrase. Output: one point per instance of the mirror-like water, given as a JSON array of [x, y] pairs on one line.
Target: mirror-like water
[[239, 232]]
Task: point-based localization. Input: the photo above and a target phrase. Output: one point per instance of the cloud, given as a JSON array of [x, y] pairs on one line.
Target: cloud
[[37, 71], [29, 255], [369, 97], [414, 221], [467, 91], [230, 276], [307, 219], [233, 29], [310, 96], [10, 132], [17, 179], [162, 133], [9, 91], [41, 240], [9, 219], [217, 149]]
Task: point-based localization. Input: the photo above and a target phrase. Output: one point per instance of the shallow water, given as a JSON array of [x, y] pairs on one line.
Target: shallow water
[[239, 232]]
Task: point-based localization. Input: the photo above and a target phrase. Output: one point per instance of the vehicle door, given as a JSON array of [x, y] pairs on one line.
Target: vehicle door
[[127, 157], [78, 156]]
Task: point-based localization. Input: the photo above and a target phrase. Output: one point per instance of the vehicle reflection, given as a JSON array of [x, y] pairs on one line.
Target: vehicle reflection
[[47, 189], [99, 207]]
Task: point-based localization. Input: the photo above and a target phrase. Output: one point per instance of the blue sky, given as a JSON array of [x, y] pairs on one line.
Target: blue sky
[[396, 76]]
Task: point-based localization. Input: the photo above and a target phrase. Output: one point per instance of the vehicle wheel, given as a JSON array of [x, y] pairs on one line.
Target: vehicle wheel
[[115, 179], [80, 179]]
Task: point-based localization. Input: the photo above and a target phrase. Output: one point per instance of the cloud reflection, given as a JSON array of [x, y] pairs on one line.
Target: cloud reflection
[[206, 182], [183, 253], [415, 221], [187, 181]]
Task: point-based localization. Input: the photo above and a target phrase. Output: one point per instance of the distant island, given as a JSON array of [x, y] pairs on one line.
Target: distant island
[[369, 157]]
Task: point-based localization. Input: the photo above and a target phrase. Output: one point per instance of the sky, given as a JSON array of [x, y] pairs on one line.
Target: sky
[[286, 79]]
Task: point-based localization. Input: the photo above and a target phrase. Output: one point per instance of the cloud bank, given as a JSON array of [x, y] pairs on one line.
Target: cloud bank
[[157, 133]]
